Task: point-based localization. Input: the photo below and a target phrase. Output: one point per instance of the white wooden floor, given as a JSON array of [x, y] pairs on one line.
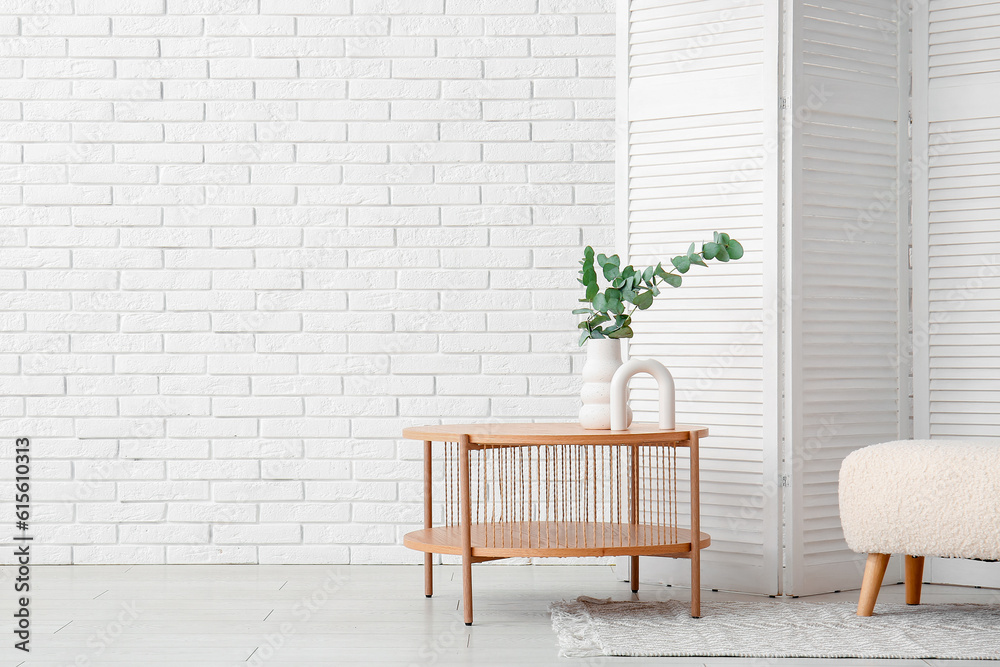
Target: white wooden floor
[[284, 615]]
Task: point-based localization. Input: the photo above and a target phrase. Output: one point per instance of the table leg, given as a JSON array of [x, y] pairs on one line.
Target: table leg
[[634, 516], [466, 526], [695, 531], [428, 519]]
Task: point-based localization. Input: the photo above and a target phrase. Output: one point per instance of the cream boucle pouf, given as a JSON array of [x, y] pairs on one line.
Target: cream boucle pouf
[[922, 498]]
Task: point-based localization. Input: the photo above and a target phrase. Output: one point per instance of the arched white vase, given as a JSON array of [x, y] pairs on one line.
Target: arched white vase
[[621, 415], [604, 357]]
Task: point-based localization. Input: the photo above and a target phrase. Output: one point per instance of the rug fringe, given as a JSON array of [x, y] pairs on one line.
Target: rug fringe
[[571, 623]]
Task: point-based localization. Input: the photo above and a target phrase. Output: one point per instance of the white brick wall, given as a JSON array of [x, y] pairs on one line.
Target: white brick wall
[[246, 242]]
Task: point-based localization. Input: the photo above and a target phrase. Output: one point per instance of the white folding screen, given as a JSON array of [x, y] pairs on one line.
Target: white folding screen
[[956, 234], [846, 280], [697, 153], [790, 355]]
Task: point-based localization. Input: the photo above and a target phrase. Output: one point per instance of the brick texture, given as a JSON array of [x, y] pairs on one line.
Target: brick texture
[[243, 243]]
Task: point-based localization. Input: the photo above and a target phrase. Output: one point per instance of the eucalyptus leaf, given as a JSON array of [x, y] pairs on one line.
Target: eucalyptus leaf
[[600, 302], [593, 289], [610, 271], [681, 263], [735, 249], [672, 279], [582, 311], [722, 255], [710, 250], [624, 332], [643, 300]]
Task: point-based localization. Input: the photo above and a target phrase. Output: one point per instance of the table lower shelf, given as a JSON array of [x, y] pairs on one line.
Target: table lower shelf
[[557, 539]]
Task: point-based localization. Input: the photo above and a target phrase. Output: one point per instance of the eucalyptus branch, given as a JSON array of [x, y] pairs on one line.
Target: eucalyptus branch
[[638, 288]]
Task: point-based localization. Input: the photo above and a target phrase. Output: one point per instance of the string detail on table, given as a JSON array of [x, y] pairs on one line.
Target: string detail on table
[[559, 496]]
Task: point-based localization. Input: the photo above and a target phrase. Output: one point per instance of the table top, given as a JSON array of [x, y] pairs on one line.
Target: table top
[[566, 433]]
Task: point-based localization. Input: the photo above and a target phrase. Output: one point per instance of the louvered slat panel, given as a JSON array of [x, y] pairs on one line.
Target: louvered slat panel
[[685, 39], [843, 378], [734, 416], [963, 41], [695, 163], [956, 238], [963, 273]]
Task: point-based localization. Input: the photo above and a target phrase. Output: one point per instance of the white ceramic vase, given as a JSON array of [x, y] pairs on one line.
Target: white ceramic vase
[[604, 357]]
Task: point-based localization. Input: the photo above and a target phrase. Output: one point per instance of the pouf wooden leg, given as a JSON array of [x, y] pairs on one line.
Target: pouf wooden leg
[[870, 585], [914, 577]]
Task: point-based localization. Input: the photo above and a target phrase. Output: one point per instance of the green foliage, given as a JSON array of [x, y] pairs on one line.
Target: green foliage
[[609, 313]]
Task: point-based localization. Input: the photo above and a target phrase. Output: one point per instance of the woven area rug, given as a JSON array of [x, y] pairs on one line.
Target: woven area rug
[[588, 627]]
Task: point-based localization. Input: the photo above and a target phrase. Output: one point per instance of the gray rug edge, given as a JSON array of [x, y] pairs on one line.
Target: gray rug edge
[[571, 621]]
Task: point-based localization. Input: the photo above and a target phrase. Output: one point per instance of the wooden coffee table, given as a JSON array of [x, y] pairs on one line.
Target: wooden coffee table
[[558, 490]]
